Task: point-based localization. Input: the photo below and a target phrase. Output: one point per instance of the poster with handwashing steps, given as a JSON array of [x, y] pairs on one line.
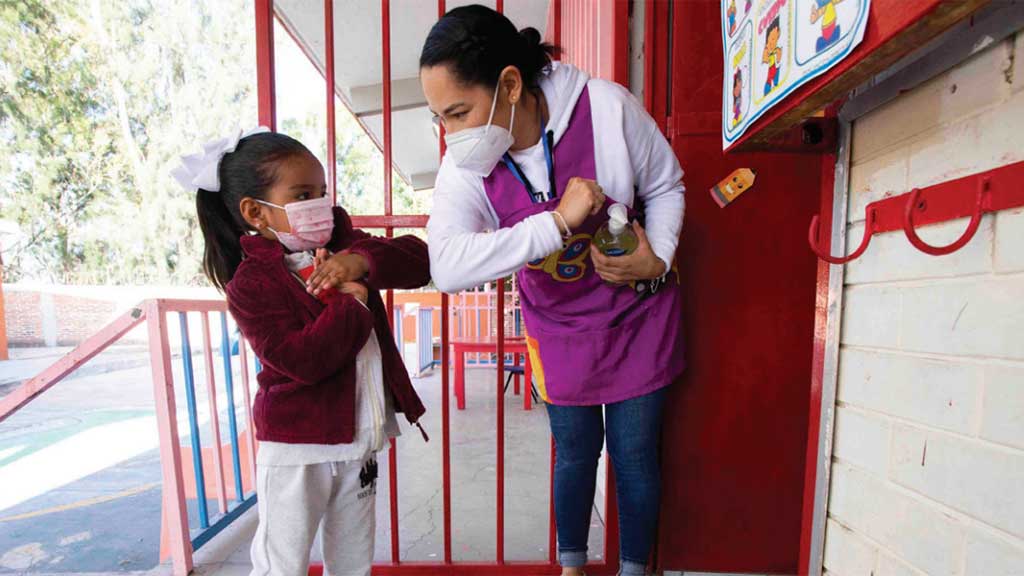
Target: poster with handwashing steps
[[772, 47]]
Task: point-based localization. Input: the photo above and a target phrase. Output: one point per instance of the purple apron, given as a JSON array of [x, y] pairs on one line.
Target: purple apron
[[590, 343]]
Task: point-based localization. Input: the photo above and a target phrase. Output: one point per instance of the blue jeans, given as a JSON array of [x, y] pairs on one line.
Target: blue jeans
[[633, 434]]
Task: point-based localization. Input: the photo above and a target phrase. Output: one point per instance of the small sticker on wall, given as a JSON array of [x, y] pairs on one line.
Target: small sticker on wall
[[732, 186]]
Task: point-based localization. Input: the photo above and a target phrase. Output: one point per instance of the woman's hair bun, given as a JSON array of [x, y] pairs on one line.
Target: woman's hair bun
[[477, 43]]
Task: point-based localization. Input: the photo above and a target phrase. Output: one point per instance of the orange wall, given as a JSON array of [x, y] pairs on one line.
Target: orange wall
[[424, 299]]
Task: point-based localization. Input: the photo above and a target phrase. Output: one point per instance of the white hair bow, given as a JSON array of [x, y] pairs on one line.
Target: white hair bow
[[200, 170]]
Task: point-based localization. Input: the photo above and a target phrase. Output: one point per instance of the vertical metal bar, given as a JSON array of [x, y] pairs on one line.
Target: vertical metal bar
[[250, 424], [573, 33], [225, 347], [446, 482], [393, 465], [620, 42], [193, 422], [558, 26], [211, 391], [446, 463], [385, 17], [500, 310], [825, 361], [175, 506], [266, 93], [669, 78], [385, 22], [515, 362], [588, 38], [649, 49], [332, 179]]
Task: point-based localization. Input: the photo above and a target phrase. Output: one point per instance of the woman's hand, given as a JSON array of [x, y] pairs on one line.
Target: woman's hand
[[356, 290], [334, 271], [581, 198], [642, 264]]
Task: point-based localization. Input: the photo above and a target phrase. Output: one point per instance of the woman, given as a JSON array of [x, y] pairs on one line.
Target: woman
[[536, 153]]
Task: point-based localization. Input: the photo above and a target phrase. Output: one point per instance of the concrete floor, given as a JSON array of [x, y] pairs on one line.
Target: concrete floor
[[474, 487], [81, 474]]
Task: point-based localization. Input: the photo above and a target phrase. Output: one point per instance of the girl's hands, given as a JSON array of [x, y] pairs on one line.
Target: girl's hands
[[356, 290], [335, 271]]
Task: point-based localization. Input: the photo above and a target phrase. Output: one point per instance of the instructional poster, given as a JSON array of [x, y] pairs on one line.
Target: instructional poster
[[772, 47]]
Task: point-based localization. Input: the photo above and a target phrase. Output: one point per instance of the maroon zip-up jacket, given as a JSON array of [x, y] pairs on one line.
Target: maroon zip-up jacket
[[308, 349]]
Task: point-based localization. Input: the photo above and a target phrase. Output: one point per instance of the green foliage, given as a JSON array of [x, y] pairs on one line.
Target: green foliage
[[98, 98]]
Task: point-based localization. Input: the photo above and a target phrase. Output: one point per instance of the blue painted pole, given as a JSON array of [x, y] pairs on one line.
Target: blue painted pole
[[193, 421], [225, 345]]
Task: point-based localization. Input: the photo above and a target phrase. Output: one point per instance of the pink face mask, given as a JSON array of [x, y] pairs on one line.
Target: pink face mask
[[311, 221]]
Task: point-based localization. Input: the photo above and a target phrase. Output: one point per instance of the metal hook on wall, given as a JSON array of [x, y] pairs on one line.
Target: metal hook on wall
[[916, 204], [814, 234]]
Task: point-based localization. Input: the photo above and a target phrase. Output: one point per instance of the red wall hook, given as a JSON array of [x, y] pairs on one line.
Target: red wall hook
[[916, 204], [814, 238], [974, 196]]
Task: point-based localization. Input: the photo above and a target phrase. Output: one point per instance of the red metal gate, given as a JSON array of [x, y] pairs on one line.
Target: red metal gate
[[388, 221]]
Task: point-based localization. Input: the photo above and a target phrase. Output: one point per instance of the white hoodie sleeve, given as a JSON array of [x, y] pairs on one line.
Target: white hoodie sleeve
[[635, 161], [658, 180], [466, 247]]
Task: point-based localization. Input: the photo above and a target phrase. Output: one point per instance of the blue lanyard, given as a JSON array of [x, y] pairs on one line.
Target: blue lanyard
[[535, 196]]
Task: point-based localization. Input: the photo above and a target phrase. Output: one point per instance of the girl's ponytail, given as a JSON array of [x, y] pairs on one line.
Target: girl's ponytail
[[222, 252]]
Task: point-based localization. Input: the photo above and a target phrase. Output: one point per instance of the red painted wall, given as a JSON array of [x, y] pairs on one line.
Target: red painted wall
[[736, 426]]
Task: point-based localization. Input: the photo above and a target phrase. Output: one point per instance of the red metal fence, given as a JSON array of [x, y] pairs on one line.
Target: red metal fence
[[388, 221]]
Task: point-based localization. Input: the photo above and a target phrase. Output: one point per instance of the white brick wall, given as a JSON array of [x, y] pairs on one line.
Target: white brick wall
[[928, 459]]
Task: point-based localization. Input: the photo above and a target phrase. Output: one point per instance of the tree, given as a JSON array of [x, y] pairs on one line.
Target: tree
[[60, 159], [97, 101], [98, 98]]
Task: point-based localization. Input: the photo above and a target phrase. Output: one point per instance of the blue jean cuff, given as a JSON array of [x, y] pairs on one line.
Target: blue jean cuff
[[630, 568], [572, 558]]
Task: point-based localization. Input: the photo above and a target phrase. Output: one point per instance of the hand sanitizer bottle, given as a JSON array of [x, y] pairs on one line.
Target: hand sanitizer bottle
[[616, 237]]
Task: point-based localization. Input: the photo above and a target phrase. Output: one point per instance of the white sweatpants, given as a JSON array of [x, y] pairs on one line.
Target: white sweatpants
[[293, 501]]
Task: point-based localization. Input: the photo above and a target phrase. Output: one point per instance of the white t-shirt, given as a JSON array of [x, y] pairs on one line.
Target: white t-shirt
[[534, 166], [376, 424]]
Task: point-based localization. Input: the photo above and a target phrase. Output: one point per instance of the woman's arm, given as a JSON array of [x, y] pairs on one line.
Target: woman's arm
[[463, 254], [383, 263], [394, 263], [659, 182]]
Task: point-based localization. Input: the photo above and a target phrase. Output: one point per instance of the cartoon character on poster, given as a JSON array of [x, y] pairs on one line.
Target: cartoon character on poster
[[772, 47], [823, 27], [824, 11], [737, 96], [772, 55]]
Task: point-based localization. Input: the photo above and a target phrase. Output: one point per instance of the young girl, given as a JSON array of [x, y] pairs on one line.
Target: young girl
[[332, 376]]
